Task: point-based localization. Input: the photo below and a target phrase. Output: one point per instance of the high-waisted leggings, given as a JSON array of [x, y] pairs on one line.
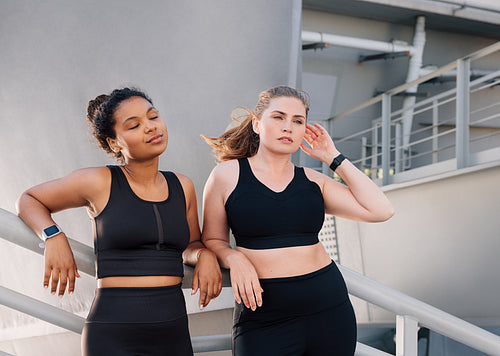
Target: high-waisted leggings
[[307, 315], [137, 321]]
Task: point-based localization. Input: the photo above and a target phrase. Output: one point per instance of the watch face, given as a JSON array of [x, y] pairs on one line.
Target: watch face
[[51, 230]]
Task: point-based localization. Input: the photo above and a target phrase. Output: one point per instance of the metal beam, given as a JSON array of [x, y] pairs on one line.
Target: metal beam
[[383, 56], [13, 229], [41, 310], [463, 113], [428, 316], [386, 137], [406, 335]]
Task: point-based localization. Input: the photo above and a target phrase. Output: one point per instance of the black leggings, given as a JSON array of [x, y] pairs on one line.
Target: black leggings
[[137, 321], [303, 315]]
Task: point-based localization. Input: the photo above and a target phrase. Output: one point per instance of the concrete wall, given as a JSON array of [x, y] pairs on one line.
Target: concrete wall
[[356, 83], [196, 59], [440, 247]]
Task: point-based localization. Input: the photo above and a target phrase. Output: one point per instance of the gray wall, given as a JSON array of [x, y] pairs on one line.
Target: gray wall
[[196, 59]]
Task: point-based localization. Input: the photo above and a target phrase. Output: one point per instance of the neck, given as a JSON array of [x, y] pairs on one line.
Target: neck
[[145, 172], [271, 162]]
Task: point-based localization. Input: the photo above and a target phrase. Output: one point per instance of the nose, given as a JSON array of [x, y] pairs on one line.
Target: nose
[[287, 126], [149, 126]]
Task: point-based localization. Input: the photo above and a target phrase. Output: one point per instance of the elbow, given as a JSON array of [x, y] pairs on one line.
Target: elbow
[[20, 202], [386, 214]]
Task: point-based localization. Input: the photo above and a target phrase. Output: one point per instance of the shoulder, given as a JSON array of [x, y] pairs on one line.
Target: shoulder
[[225, 169], [92, 177], [315, 176], [186, 183], [223, 178], [93, 172]]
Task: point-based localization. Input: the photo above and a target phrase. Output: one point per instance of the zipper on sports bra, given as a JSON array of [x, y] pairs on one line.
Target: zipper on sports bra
[[160, 227]]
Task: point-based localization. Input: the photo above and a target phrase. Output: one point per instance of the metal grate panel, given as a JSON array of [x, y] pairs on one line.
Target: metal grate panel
[[328, 237]]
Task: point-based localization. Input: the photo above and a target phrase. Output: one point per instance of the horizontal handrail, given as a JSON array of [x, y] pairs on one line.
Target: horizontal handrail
[[41, 310], [427, 315], [358, 285], [75, 323], [13, 229]]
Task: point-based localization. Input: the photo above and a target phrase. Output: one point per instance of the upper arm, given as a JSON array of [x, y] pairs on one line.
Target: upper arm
[[191, 207], [219, 185], [338, 198], [83, 187]]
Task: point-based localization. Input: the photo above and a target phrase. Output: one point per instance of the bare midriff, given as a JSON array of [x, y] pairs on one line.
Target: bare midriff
[[140, 281], [287, 261]]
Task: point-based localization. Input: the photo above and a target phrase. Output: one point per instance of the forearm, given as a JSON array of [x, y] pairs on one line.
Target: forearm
[[365, 191], [223, 250], [34, 213], [192, 252]]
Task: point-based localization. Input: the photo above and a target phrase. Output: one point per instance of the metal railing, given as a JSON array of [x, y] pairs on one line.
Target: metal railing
[[389, 146], [410, 312], [13, 229]]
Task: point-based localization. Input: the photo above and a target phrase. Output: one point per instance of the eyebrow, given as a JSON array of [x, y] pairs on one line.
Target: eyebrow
[[135, 117], [282, 113]]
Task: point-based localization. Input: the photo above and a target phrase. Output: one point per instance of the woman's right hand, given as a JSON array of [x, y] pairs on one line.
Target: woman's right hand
[[60, 265], [244, 281]]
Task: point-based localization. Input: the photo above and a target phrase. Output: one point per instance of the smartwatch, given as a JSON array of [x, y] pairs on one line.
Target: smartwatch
[[50, 231], [337, 161]]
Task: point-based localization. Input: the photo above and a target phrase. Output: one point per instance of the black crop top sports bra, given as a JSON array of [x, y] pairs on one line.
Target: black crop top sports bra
[[135, 237], [261, 218]]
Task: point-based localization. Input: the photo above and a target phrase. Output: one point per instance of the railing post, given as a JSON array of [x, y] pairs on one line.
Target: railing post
[[364, 143], [406, 335], [398, 147], [435, 131], [374, 150], [386, 133], [325, 168], [463, 113]]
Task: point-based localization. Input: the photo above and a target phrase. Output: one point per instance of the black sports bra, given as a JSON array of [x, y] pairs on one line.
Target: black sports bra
[[263, 219], [135, 237]]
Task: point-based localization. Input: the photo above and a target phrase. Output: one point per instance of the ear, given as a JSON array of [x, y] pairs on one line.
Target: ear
[[255, 125], [113, 144]]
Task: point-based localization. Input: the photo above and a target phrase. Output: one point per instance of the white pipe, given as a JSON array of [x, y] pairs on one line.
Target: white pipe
[[353, 42], [413, 74], [295, 46]]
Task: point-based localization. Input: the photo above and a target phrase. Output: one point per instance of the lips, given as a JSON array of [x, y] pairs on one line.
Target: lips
[[155, 139], [285, 139]]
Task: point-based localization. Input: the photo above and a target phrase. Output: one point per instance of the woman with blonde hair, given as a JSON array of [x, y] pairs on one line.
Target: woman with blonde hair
[[295, 299]]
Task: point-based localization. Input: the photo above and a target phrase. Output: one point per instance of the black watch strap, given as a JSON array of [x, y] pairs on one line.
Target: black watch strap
[[337, 161]]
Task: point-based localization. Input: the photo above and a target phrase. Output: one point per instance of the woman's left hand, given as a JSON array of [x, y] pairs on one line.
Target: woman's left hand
[[322, 146], [208, 277]]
